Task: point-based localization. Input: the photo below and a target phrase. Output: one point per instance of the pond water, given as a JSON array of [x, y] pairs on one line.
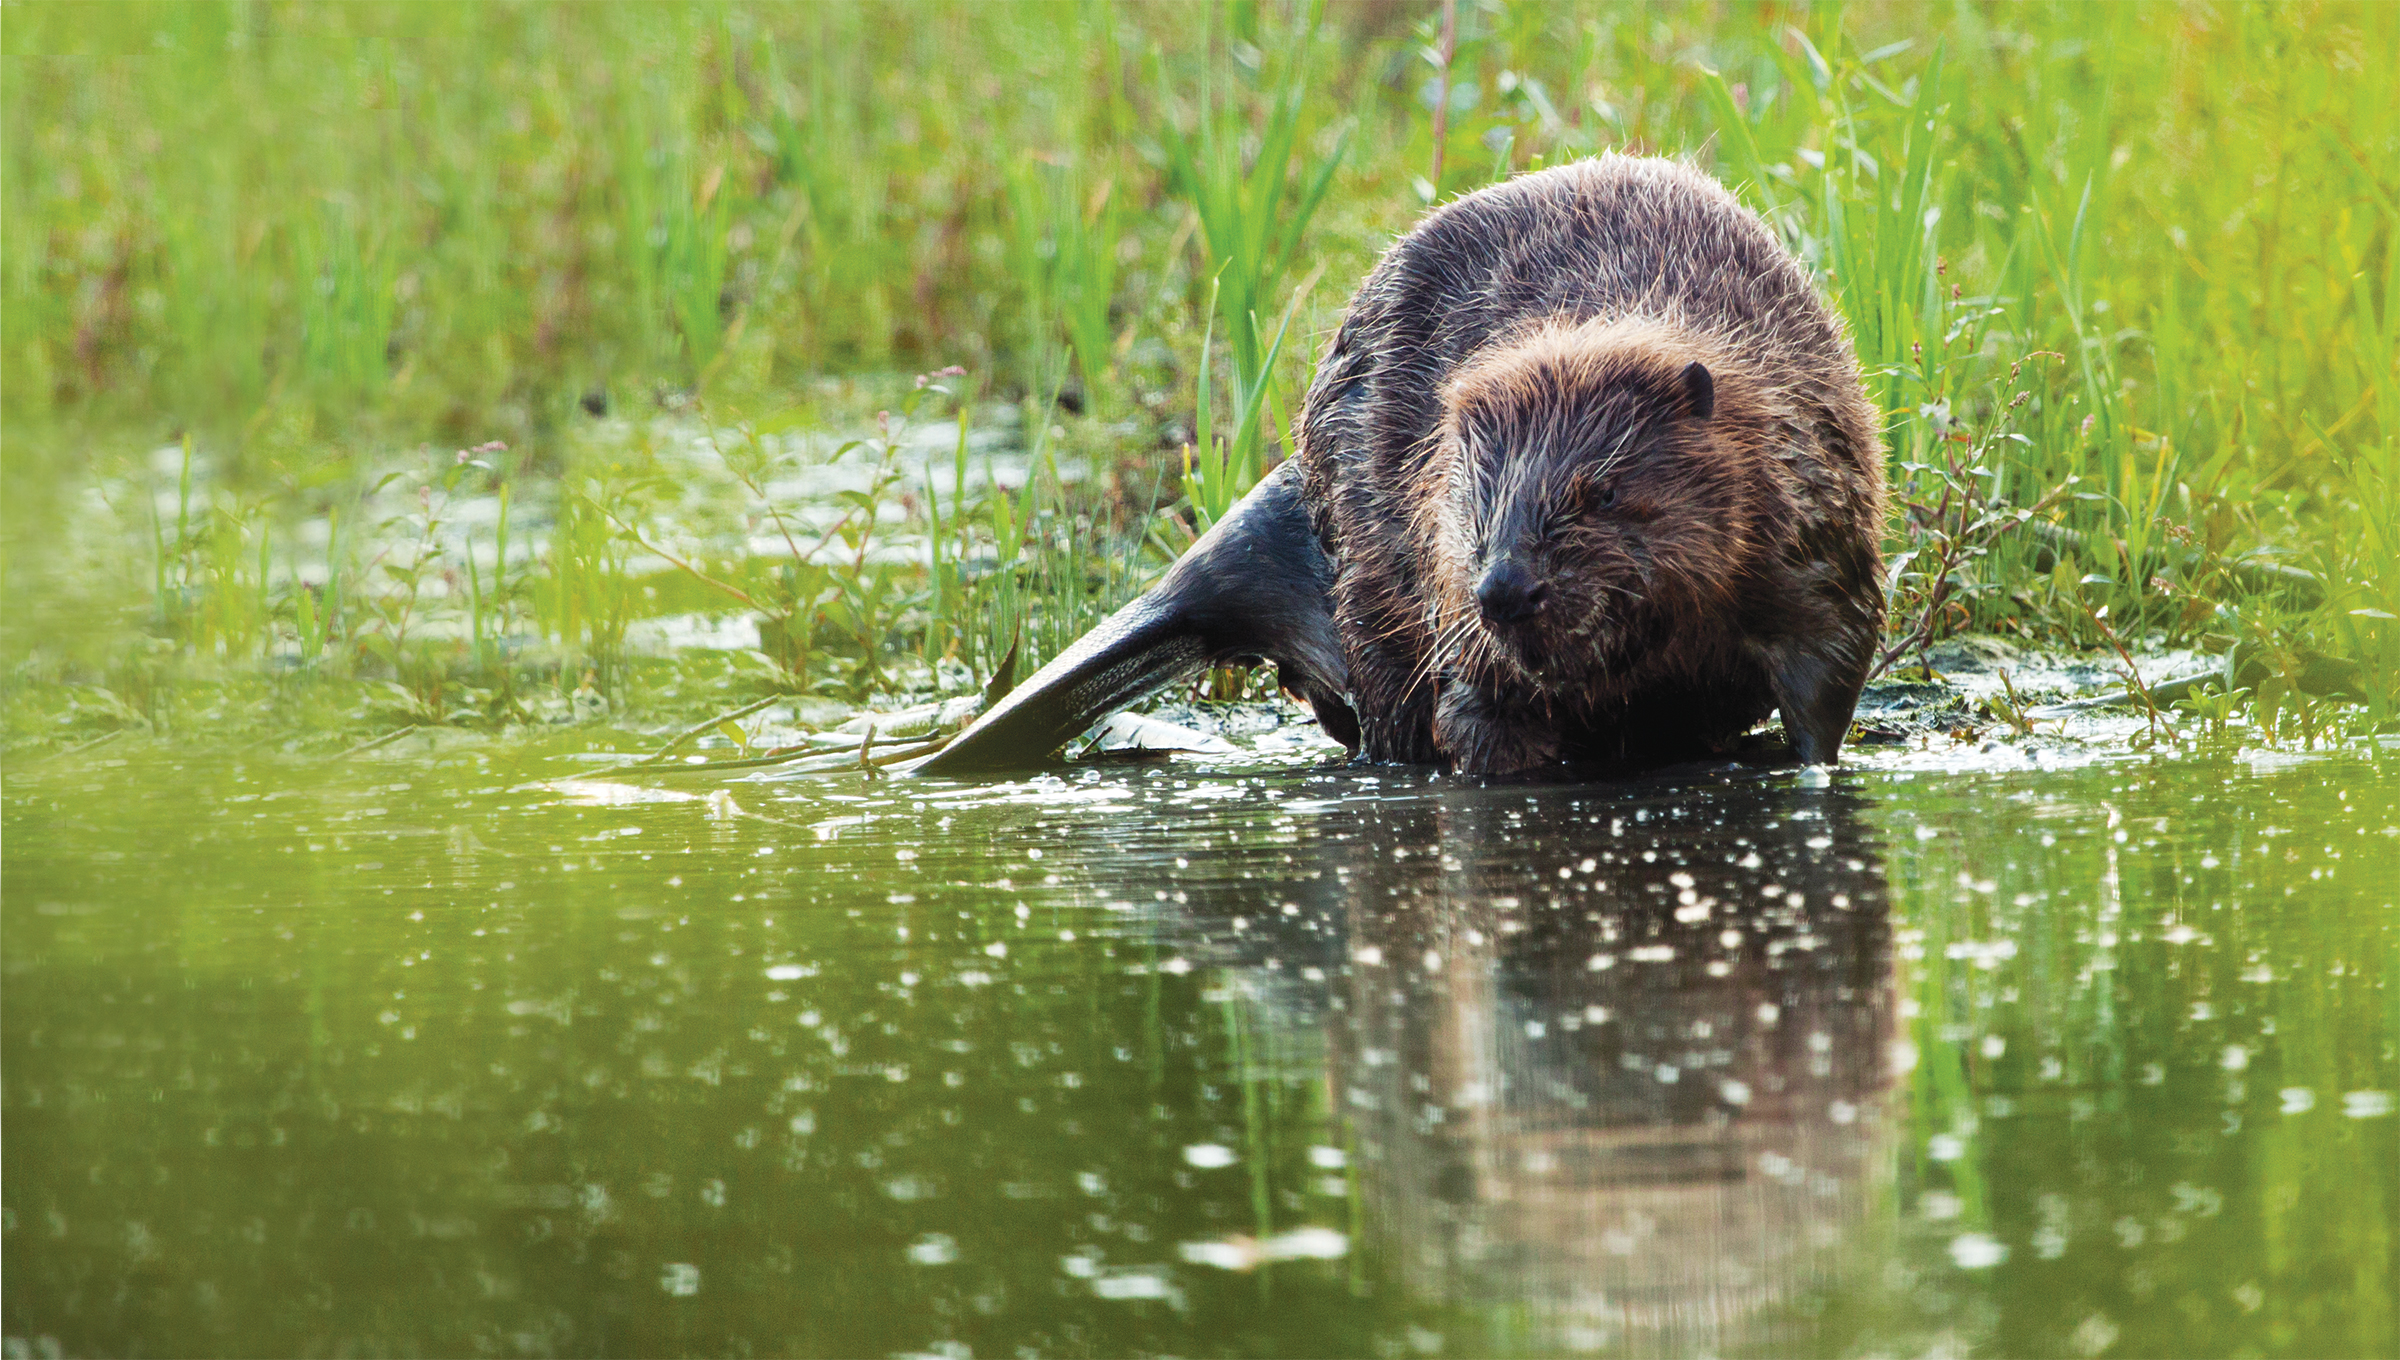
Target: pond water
[[445, 1053]]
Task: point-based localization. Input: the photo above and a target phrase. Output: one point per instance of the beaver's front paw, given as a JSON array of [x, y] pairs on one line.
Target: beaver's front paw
[[1479, 734]]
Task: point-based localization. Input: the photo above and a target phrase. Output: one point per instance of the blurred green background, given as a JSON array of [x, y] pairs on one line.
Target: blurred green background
[[2149, 247]]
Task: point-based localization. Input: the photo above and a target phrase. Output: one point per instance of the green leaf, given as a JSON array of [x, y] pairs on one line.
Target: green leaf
[[1734, 130]]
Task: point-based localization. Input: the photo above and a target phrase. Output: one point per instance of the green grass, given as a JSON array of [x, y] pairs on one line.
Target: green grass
[[313, 239]]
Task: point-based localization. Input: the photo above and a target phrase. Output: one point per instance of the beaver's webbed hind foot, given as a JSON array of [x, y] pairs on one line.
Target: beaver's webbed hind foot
[[1479, 733]]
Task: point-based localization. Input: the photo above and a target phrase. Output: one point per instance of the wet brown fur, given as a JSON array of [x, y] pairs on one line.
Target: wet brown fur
[[1515, 380]]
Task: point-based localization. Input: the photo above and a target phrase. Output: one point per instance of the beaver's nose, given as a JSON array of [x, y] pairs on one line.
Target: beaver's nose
[[1508, 593]]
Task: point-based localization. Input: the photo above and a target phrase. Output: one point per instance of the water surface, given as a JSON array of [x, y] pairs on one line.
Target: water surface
[[448, 1053]]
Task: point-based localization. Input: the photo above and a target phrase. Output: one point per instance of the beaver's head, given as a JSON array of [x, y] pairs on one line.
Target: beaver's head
[[1594, 497]]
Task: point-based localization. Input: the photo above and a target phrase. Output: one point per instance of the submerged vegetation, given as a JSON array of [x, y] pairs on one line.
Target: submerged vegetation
[[382, 365]]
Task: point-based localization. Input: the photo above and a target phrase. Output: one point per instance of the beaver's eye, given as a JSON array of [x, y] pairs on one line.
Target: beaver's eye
[[1607, 499]]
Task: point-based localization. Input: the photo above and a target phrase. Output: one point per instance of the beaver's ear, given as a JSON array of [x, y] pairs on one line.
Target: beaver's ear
[[1700, 390]]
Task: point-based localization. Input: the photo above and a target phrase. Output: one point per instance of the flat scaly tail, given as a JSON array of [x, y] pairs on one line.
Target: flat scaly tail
[[1255, 587]]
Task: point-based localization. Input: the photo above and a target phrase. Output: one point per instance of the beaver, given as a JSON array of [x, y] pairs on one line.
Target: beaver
[[1586, 474]]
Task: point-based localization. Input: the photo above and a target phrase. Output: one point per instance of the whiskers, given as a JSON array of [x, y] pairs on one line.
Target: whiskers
[[1459, 638]]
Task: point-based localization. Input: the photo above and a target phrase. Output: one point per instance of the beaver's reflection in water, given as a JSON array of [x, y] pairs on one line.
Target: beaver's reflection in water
[[1613, 1059]]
